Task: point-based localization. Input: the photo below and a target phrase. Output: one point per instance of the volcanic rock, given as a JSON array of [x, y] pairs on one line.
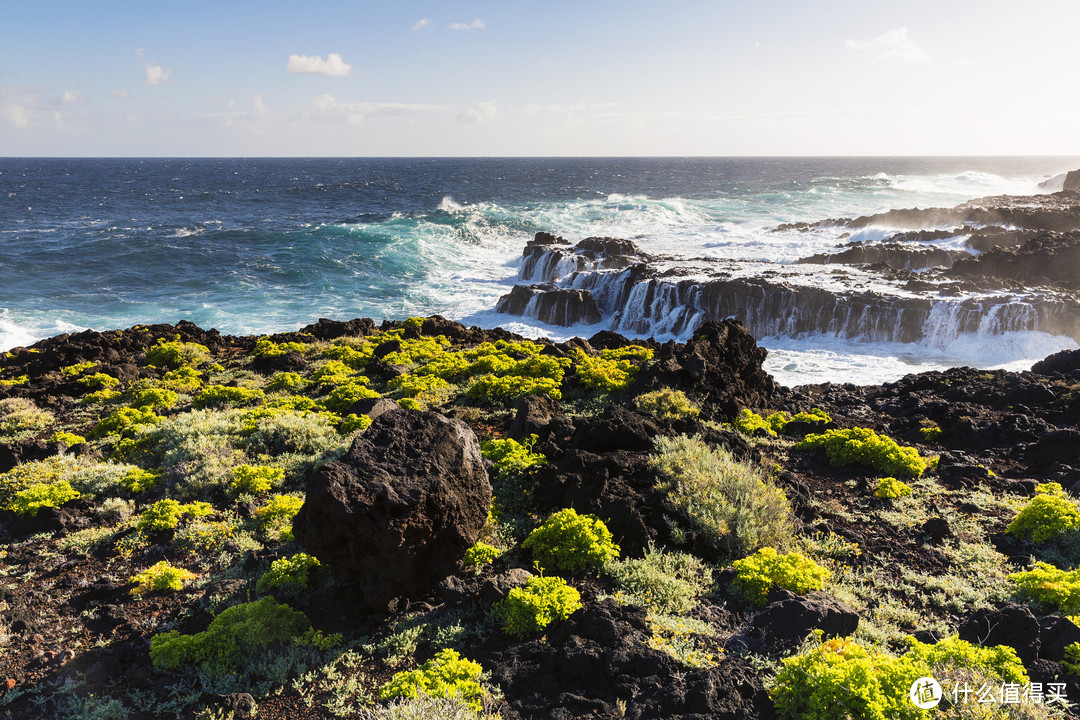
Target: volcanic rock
[[1055, 634], [788, 618], [551, 304], [398, 510], [1012, 625], [721, 363]]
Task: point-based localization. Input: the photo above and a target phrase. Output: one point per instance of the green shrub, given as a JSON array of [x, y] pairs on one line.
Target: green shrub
[[233, 636], [124, 422], [612, 370], [1048, 515], [527, 611], [447, 675], [73, 370], [425, 708], [749, 422], [286, 381], [101, 396], [35, 497], [289, 574], [343, 396], [151, 398], [667, 404], [793, 571], [862, 446], [218, 395], [67, 438], [254, 479], [426, 390], [930, 434], [491, 389], [891, 489], [351, 423], [159, 577], [266, 348], [174, 354], [98, 381], [21, 416], [733, 507], [138, 480], [481, 554], [1071, 661], [511, 457], [166, 514], [1045, 583], [569, 541], [840, 679], [277, 514], [665, 582], [999, 661], [182, 380]]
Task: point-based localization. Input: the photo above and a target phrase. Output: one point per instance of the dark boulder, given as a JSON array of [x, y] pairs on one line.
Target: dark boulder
[[398, 510], [721, 364], [1072, 181], [533, 414], [788, 618], [1012, 625], [372, 407], [1055, 634], [1059, 446], [1063, 362]]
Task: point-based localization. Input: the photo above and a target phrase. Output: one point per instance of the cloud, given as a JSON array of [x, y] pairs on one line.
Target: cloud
[[325, 107], [156, 75], [140, 53], [479, 113], [21, 106], [891, 45], [332, 65], [70, 98], [476, 24], [421, 23], [121, 93]]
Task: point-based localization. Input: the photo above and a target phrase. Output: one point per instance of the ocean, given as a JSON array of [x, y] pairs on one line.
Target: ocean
[[265, 245]]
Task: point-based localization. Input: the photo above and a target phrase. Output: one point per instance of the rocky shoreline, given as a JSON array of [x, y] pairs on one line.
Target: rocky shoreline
[[393, 472], [1011, 265]]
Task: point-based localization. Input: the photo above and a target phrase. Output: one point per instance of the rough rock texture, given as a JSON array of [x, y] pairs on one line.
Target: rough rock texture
[[721, 363], [551, 304], [1051, 257], [892, 254], [1012, 625], [398, 510], [600, 655], [788, 618]]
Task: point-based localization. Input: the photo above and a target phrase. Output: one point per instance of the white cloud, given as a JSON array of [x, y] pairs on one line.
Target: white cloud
[[121, 93], [332, 65], [479, 113], [326, 107], [476, 24], [140, 53], [70, 98], [421, 23], [893, 44], [156, 75], [20, 106]]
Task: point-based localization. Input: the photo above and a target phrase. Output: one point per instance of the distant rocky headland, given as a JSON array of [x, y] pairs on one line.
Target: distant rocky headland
[[1013, 265]]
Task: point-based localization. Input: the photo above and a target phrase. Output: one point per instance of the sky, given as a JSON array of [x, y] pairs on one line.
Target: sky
[[520, 78]]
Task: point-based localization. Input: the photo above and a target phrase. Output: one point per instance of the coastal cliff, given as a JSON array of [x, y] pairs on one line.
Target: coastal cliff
[[152, 566]]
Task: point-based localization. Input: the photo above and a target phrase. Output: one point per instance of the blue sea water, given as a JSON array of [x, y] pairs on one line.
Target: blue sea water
[[263, 245]]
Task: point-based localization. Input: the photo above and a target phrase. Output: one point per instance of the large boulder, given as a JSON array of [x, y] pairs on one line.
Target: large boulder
[[788, 618], [1012, 625], [398, 510]]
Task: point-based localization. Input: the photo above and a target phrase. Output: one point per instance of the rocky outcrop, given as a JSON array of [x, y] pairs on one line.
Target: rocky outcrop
[[551, 304], [893, 254], [788, 618], [1072, 181], [547, 258], [1052, 258], [395, 514]]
